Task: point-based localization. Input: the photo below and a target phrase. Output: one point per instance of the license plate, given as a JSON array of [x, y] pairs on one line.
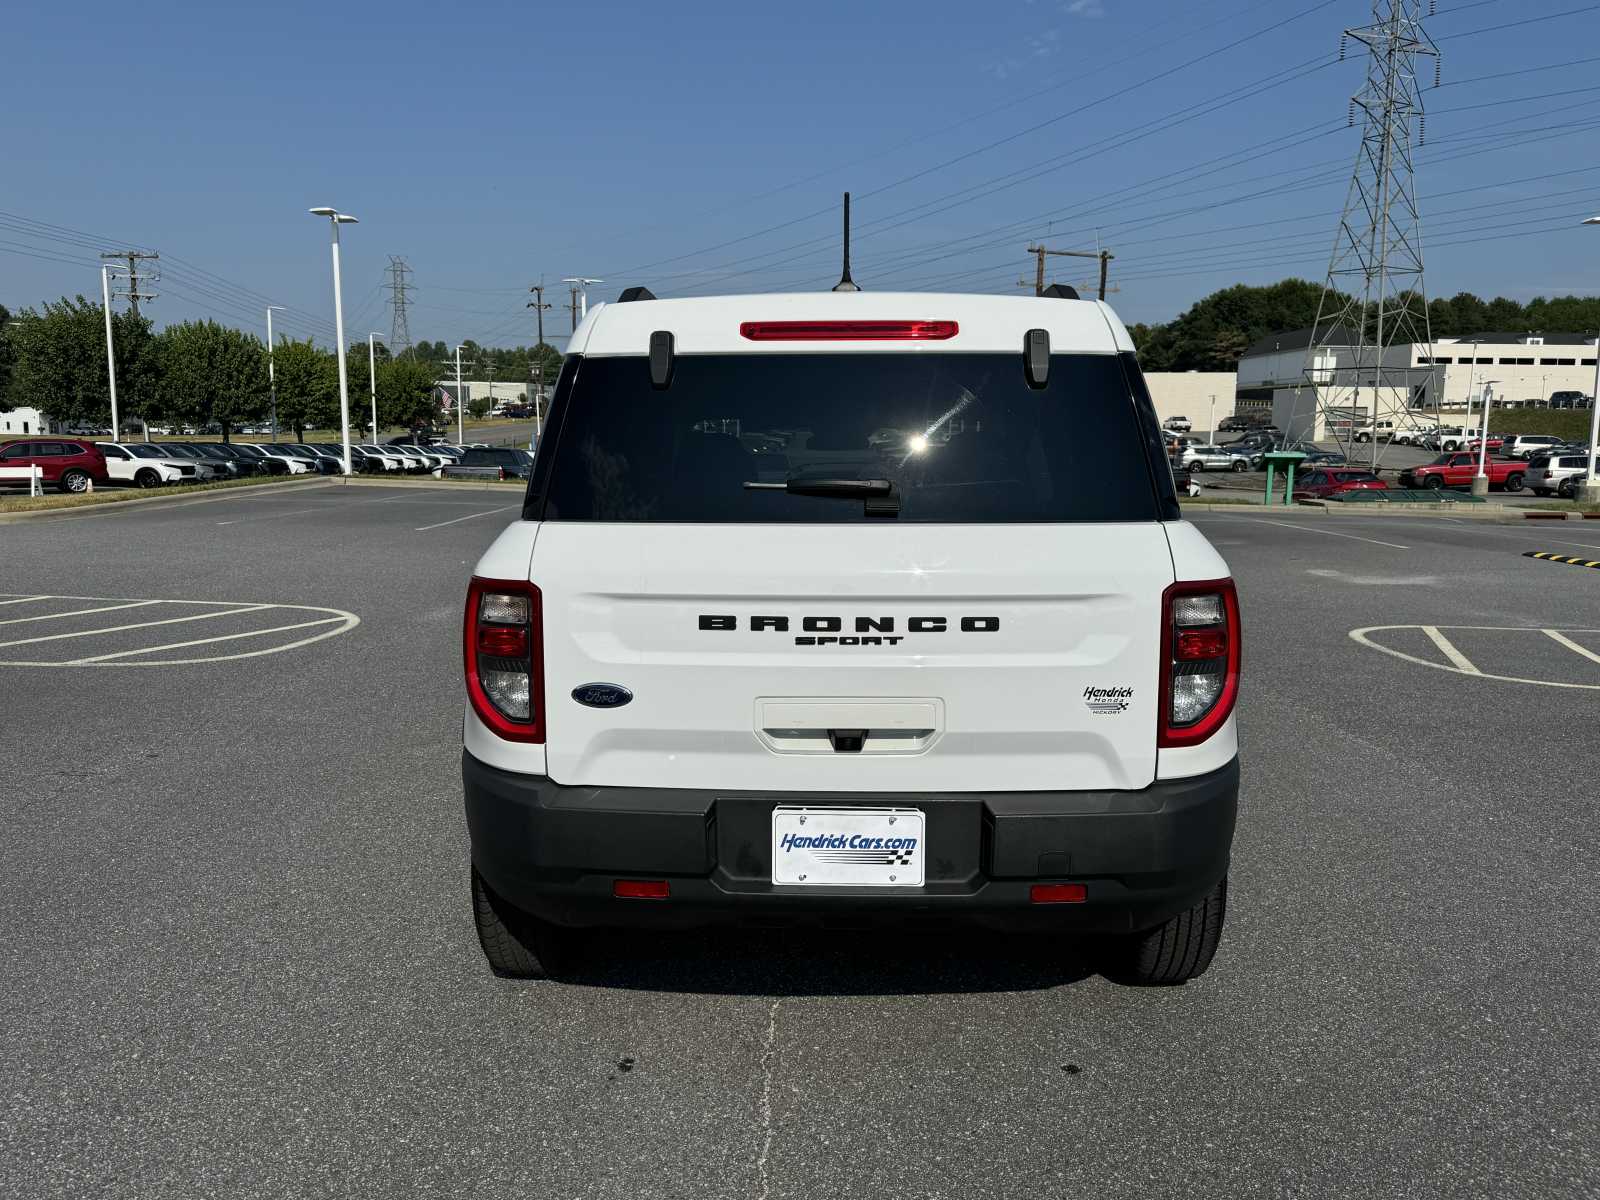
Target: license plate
[[848, 847]]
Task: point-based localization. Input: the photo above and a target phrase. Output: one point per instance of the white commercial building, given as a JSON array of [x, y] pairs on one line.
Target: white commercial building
[[1206, 398], [19, 422], [1419, 383]]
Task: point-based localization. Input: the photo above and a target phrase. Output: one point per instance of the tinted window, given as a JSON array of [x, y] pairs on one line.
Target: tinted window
[[962, 436], [20, 450], [114, 451]]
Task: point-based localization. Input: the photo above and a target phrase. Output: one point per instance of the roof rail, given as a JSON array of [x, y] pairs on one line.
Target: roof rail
[[1060, 291], [629, 295]]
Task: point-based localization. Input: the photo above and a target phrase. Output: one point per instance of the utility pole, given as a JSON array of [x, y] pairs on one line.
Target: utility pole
[[111, 353], [272, 378], [461, 403], [133, 258], [538, 305], [1105, 257]]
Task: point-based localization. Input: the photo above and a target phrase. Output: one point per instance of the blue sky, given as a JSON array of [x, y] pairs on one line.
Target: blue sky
[[701, 147]]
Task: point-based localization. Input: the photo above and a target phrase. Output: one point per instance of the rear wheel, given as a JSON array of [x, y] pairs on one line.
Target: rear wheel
[[1514, 481], [519, 945], [1176, 951], [74, 481], [1434, 481], [1569, 488], [147, 477]]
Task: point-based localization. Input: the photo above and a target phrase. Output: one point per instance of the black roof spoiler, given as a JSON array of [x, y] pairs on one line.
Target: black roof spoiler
[[1060, 291], [629, 295]]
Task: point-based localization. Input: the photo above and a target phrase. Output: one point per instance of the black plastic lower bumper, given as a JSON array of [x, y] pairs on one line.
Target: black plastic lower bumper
[[557, 851]]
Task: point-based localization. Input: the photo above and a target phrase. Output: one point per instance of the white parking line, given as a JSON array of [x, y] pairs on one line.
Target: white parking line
[[56, 637], [26, 599], [80, 612], [271, 516], [1561, 639], [1447, 648], [227, 637], [487, 513], [1329, 532]]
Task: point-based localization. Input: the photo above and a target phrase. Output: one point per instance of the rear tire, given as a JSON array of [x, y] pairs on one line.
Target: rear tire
[[1436, 482], [74, 482], [1177, 950], [1514, 481], [519, 945]]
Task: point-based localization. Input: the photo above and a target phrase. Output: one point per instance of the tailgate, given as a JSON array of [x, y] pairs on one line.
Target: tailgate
[[853, 657]]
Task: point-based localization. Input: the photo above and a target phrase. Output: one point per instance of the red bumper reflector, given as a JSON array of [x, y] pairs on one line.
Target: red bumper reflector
[[848, 331], [1196, 644], [1058, 893], [503, 641], [640, 889]]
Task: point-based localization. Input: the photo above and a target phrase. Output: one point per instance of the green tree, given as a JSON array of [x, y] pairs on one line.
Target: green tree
[[58, 362], [478, 409], [406, 393], [308, 386], [7, 357], [210, 373]]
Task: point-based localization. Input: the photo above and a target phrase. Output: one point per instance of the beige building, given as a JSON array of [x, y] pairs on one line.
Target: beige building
[[1205, 397], [1420, 384]]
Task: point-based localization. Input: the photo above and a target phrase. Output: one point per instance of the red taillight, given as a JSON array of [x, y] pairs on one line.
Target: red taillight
[[1200, 656], [641, 889], [1193, 644], [1058, 893], [504, 665], [848, 331], [503, 641]]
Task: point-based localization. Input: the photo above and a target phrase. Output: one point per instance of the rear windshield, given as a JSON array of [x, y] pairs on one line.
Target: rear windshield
[[962, 437]]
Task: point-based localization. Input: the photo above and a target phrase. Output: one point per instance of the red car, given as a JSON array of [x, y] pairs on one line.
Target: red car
[[1323, 482], [66, 462]]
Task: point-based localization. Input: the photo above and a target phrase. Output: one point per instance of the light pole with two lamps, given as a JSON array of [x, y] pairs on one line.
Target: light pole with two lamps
[[336, 219]]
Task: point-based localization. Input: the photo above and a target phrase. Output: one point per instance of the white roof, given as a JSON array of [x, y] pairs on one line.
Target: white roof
[[710, 325]]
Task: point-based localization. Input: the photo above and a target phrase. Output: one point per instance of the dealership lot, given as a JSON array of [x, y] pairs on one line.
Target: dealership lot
[[240, 959]]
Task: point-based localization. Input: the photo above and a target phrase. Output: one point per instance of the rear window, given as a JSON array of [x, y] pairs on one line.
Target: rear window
[[963, 438]]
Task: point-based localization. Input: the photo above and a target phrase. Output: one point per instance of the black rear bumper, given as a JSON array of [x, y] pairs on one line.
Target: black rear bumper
[[557, 851]]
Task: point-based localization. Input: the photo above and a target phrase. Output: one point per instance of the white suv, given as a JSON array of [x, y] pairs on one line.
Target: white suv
[[852, 606]]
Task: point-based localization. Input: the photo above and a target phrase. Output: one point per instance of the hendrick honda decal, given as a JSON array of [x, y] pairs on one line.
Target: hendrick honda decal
[[862, 631], [1109, 700]]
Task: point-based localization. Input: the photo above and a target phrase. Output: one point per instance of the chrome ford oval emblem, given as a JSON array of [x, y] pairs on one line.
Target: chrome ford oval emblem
[[601, 695]]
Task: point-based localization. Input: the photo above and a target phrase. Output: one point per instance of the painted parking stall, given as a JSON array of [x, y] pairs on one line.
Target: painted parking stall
[[77, 631]]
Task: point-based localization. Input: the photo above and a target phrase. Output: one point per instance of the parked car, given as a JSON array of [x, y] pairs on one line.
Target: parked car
[[296, 464], [1317, 457], [505, 462], [1177, 424], [1547, 472], [1184, 481], [69, 463], [1213, 458], [1449, 438], [1325, 482], [144, 465], [1458, 470], [1413, 435], [1570, 399], [1525, 445], [1383, 430], [672, 652]]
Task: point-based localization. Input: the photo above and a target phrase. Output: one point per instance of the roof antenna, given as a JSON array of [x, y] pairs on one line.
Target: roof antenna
[[846, 284]]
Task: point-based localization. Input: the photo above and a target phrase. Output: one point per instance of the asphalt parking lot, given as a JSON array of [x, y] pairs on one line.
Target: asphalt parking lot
[[240, 962]]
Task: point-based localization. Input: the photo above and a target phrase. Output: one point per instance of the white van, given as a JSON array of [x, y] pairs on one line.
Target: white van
[[865, 606]]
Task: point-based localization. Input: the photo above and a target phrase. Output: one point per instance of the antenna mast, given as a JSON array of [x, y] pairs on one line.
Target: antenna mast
[[846, 284]]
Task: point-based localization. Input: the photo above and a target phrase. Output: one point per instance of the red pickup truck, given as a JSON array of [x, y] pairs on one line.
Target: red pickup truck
[[1459, 469]]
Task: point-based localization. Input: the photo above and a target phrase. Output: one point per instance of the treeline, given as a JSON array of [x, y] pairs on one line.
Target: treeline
[[1214, 333], [200, 373]]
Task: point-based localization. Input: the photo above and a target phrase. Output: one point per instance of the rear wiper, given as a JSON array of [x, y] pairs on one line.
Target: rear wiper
[[879, 495]]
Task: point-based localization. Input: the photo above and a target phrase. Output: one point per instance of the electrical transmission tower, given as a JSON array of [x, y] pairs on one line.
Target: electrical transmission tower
[[399, 293], [1373, 306]]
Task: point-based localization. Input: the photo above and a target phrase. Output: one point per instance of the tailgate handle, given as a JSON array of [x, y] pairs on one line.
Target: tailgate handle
[[847, 741]]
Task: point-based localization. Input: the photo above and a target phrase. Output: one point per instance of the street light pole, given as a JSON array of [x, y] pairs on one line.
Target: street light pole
[[1480, 481], [335, 219], [461, 404], [1591, 489], [372, 380], [272, 378], [111, 357], [583, 292]]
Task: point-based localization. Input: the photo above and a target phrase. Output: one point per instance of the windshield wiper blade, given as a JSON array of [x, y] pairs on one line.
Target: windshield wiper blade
[[879, 495]]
